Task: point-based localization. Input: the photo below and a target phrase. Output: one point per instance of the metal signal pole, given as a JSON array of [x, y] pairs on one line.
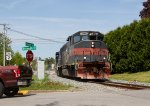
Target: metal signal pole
[[4, 33]]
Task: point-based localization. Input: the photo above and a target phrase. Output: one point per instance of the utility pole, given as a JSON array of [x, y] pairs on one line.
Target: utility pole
[[4, 34]]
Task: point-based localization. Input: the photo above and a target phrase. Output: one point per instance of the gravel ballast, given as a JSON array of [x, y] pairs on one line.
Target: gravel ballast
[[80, 85]]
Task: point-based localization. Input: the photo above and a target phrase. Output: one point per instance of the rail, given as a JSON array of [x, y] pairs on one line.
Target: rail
[[125, 85]]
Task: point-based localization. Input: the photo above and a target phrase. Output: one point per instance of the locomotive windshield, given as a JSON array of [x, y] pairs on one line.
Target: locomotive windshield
[[91, 36], [77, 38], [87, 37]]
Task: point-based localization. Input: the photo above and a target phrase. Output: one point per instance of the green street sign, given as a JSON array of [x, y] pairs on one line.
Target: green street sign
[[29, 44], [33, 48], [29, 48], [25, 48]]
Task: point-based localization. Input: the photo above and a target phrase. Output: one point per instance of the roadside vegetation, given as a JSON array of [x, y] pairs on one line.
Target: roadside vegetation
[[139, 76], [46, 84], [129, 47]]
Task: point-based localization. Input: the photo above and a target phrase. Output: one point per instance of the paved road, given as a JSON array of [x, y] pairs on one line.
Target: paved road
[[81, 98]]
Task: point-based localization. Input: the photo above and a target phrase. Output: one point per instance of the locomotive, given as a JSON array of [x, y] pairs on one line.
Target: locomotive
[[84, 56]]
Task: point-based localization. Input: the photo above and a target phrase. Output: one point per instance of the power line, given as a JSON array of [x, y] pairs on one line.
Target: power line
[[31, 40], [51, 40], [36, 42]]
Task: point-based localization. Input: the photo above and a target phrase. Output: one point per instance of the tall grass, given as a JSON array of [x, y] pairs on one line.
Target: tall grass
[[46, 84], [139, 76]]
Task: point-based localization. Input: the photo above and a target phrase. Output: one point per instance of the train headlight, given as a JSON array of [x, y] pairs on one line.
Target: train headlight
[[104, 58], [84, 58], [93, 45]]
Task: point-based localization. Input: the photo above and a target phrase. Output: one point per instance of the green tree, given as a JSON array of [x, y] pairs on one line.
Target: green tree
[[1, 49], [7, 46], [34, 64], [129, 47], [48, 62], [17, 59]]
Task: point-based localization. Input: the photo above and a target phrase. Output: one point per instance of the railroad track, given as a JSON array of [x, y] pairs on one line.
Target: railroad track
[[131, 85], [125, 85]]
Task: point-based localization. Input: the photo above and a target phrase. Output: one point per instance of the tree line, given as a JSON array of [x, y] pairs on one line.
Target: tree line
[[130, 46]]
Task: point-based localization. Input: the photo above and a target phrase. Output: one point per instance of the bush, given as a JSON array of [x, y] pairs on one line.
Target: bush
[[129, 47]]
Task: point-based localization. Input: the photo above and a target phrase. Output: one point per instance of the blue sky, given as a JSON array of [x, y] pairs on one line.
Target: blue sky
[[57, 19]]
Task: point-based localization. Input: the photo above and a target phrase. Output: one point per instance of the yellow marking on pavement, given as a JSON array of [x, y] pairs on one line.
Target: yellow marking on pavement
[[23, 92]]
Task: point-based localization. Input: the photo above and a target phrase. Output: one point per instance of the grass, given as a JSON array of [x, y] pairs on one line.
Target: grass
[[46, 84], [139, 76]]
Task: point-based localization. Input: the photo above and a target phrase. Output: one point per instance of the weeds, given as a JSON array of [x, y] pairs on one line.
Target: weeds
[[46, 84]]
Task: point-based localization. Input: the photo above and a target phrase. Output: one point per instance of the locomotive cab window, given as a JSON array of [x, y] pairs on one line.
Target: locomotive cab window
[[99, 37], [92, 37], [85, 37], [76, 38]]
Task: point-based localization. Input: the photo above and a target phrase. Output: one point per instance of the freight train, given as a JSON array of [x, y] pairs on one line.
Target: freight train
[[84, 56]]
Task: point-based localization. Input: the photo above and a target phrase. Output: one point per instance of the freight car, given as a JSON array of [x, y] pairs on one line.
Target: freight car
[[84, 56]]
